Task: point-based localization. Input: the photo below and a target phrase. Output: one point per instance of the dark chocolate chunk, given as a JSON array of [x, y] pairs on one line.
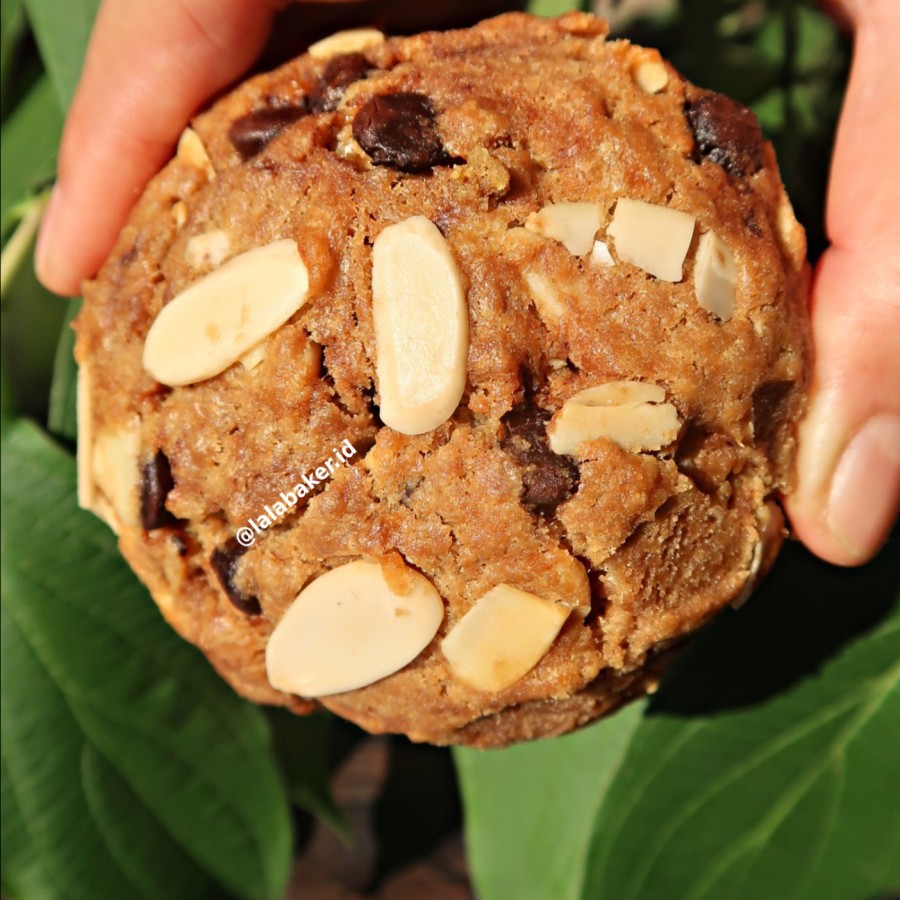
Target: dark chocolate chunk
[[339, 73], [770, 409], [249, 134], [224, 561], [727, 133], [398, 130], [156, 482], [547, 478]]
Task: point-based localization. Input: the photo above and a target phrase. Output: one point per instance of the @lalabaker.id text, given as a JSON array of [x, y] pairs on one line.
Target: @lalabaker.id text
[[287, 500]]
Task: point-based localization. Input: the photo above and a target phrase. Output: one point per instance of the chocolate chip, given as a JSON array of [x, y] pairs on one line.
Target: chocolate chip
[[156, 482], [249, 134], [770, 408], [398, 130], [547, 479], [727, 133], [339, 73], [224, 561]]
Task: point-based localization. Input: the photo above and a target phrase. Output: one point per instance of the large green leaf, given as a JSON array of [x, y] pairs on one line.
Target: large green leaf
[[796, 796], [28, 150], [62, 30], [529, 809], [62, 854], [89, 667]]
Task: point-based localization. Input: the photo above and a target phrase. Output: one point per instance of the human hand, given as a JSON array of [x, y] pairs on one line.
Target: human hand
[[151, 66], [848, 467]]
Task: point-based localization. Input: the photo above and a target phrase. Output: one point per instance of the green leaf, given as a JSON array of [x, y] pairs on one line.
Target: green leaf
[[22, 873], [31, 317], [529, 808], [62, 31], [796, 797], [28, 151], [550, 8], [134, 838], [12, 29], [301, 745], [42, 749], [62, 416], [95, 664]]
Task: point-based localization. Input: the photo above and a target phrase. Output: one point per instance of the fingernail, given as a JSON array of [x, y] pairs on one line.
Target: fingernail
[[44, 252], [865, 489]]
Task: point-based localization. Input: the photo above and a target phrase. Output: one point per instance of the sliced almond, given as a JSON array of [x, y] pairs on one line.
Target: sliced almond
[[349, 628], [85, 445], [115, 469], [252, 359], [421, 326], [354, 40], [547, 299], [653, 238], [715, 274], [502, 637], [208, 250], [572, 224], [600, 255], [191, 151], [213, 323], [650, 75], [633, 414], [179, 213]]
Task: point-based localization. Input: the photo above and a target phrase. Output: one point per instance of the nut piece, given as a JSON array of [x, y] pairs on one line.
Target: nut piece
[[115, 469], [421, 326], [502, 637], [85, 446], [191, 150], [715, 273], [215, 321], [650, 75], [208, 250], [600, 255], [179, 212], [252, 359], [349, 629], [547, 299], [653, 238], [633, 414], [354, 40], [572, 224]]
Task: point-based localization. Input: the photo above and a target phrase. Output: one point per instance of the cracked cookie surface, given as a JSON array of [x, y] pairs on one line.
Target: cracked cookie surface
[[675, 383]]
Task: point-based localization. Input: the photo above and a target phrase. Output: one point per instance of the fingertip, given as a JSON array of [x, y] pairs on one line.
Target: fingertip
[[54, 267], [847, 517]]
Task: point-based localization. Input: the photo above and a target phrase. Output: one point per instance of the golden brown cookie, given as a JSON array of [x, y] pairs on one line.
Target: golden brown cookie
[[445, 381]]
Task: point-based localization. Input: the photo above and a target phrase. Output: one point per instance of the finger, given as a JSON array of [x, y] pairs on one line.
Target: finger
[[849, 459], [149, 67]]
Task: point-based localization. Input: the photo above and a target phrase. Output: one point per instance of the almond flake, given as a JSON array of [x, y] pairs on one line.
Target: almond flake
[[653, 238], [502, 637], [350, 628]]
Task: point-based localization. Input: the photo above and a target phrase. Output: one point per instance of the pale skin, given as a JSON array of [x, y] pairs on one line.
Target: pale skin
[[151, 66]]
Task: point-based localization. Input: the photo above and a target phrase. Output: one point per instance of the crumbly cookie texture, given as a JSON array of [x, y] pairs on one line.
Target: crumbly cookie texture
[[447, 381]]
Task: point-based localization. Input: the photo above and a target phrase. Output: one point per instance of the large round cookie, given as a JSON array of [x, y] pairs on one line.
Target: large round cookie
[[446, 381]]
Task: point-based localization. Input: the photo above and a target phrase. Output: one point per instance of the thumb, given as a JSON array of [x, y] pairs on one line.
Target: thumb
[[149, 67], [848, 488]]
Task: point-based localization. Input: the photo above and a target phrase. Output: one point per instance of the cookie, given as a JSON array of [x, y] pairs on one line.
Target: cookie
[[448, 381]]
